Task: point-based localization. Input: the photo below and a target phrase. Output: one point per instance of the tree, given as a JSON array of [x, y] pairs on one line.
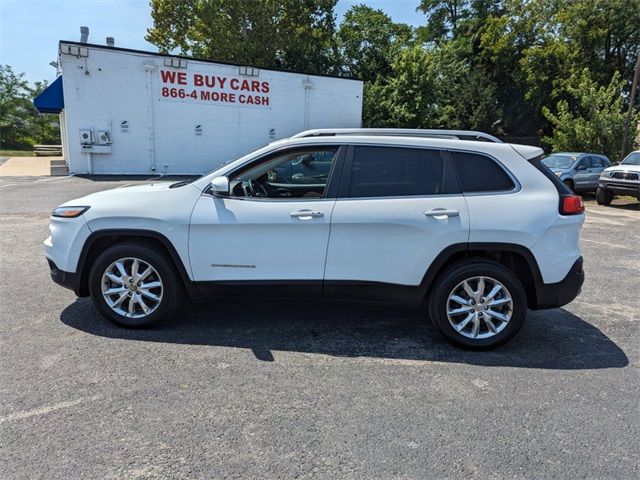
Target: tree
[[369, 41], [21, 125], [44, 127], [444, 17], [593, 119], [410, 96], [438, 88], [291, 34], [14, 108]]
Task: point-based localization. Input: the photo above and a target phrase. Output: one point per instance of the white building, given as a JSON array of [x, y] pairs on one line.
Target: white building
[[131, 112]]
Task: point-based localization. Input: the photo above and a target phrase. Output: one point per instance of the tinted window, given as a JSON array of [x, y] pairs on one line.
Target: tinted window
[[478, 173], [386, 171]]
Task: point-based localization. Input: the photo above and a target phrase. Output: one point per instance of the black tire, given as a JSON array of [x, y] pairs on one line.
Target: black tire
[[569, 183], [604, 197], [172, 289], [467, 269]]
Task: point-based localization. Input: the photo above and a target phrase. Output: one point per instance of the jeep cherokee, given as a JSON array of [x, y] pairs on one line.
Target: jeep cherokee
[[477, 230]]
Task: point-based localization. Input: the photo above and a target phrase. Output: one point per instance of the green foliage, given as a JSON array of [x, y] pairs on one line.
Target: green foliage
[[444, 18], [592, 120], [21, 126], [369, 41], [291, 34]]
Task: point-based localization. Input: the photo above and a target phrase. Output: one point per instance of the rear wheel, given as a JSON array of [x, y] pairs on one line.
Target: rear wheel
[[603, 197], [478, 304], [135, 285], [569, 183]]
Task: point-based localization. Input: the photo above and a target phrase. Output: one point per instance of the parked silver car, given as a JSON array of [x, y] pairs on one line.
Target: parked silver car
[[579, 171]]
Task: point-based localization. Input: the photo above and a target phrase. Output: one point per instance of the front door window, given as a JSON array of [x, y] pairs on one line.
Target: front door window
[[295, 174]]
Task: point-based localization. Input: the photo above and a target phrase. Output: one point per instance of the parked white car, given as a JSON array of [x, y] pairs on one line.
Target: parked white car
[[622, 179], [477, 229]]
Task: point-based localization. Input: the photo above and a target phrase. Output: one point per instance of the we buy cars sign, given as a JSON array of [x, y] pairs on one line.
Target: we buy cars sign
[[218, 89]]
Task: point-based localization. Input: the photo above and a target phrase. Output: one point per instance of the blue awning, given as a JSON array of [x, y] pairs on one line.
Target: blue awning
[[51, 100]]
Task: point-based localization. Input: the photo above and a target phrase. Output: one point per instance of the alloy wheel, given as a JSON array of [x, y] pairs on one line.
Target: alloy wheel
[[132, 288], [479, 307]]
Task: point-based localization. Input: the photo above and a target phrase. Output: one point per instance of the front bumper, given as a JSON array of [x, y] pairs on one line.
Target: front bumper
[[553, 295], [68, 280], [620, 187]]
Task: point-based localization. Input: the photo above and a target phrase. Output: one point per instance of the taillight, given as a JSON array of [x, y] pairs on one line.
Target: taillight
[[571, 205]]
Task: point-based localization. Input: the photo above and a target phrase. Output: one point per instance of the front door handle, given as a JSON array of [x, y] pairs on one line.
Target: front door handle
[[307, 214], [441, 213]]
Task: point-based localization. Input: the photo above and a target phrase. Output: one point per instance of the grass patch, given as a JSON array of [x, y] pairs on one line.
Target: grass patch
[[16, 153]]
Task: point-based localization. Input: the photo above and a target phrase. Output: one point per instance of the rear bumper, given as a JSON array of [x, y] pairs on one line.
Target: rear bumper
[[65, 279], [553, 295]]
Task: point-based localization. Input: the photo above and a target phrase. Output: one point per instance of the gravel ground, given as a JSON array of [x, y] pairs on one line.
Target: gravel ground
[[255, 389]]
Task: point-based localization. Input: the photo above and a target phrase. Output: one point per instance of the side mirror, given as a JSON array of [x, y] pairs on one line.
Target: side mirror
[[582, 166], [220, 185]]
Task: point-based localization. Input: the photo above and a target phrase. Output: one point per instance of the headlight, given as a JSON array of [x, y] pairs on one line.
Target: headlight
[[558, 174], [69, 212], [606, 174]]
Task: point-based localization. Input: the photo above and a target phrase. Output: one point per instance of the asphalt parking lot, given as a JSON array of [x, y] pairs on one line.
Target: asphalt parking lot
[[255, 389]]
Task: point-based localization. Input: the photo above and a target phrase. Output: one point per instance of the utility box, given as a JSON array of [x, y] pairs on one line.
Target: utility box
[[144, 113], [104, 137], [86, 138]]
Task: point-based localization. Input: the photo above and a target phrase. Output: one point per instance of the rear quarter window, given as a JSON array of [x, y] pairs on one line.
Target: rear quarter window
[[479, 173]]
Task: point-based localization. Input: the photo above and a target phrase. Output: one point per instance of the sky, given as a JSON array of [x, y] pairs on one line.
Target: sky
[[30, 29]]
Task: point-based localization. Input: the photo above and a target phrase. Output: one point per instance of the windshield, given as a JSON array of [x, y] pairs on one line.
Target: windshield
[[559, 161], [632, 159]]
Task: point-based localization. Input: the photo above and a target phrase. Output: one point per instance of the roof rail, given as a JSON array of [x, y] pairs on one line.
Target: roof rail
[[400, 132]]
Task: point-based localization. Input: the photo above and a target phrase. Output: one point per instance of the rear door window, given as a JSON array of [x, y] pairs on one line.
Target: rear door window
[[599, 162], [479, 173], [392, 171]]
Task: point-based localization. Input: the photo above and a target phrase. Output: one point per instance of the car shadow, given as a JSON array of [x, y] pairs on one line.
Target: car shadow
[[552, 339], [625, 206]]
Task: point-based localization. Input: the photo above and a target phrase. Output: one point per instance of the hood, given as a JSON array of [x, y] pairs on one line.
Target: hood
[[124, 194], [623, 168]]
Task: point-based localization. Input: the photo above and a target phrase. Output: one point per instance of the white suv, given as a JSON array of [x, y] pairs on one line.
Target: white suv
[[476, 229]]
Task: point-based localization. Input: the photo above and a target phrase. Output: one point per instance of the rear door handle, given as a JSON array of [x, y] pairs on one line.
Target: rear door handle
[[307, 214], [442, 213]]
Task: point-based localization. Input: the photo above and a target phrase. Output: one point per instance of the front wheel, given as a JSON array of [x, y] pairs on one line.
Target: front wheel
[[135, 285], [478, 304], [603, 197]]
